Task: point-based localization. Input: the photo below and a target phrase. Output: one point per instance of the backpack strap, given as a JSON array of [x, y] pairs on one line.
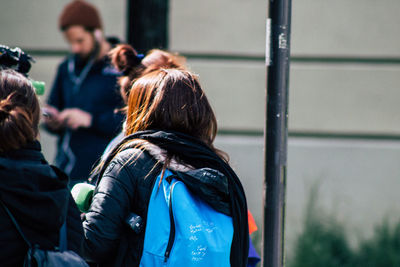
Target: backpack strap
[[63, 230], [63, 241], [15, 223]]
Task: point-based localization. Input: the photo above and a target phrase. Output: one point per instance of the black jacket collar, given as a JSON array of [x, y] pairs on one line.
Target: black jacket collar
[[30, 152]]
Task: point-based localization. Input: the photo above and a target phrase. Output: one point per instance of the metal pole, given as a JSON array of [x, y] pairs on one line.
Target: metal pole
[[275, 134]]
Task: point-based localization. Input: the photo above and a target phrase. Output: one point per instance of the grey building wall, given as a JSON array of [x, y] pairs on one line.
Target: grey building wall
[[344, 121], [343, 113]]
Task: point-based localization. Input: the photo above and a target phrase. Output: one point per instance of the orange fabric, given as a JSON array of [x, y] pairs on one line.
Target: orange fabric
[[252, 223]]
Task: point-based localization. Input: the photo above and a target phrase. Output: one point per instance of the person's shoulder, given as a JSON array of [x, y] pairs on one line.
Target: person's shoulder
[[63, 65], [132, 155], [128, 167], [108, 69], [131, 159]]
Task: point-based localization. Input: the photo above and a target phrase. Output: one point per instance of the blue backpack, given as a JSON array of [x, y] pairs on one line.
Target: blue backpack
[[182, 230]]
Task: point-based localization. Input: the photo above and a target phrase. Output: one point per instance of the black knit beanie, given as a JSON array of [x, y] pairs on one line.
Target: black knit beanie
[[81, 13]]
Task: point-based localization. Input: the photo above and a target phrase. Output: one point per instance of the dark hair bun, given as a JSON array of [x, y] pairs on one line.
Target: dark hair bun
[[5, 108], [125, 58], [19, 111]]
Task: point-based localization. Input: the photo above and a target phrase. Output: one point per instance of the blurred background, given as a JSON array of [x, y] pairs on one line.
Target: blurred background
[[344, 116]]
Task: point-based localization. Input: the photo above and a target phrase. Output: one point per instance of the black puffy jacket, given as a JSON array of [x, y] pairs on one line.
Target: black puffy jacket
[[38, 198], [125, 186]]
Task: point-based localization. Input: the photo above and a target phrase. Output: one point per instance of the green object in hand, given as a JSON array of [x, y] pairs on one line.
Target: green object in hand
[[82, 194], [39, 87]]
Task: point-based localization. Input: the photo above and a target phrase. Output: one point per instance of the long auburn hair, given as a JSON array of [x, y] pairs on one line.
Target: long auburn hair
[[171, 100]]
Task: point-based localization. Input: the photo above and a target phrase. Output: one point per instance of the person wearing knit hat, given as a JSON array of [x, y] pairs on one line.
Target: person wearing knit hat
[[80, 13], [81, 24], [82, 101]]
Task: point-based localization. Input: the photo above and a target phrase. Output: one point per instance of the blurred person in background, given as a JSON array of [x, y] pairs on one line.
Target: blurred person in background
[[83, 101], [34, 192]]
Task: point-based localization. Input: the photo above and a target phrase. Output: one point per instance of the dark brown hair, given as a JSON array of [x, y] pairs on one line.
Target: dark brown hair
[[19, 111], [125, 59]]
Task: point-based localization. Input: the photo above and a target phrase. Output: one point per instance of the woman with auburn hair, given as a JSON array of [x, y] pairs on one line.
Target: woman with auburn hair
[[33, 192], [169, 125]]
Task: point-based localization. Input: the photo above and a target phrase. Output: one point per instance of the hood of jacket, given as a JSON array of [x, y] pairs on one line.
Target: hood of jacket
[[35, 192]]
